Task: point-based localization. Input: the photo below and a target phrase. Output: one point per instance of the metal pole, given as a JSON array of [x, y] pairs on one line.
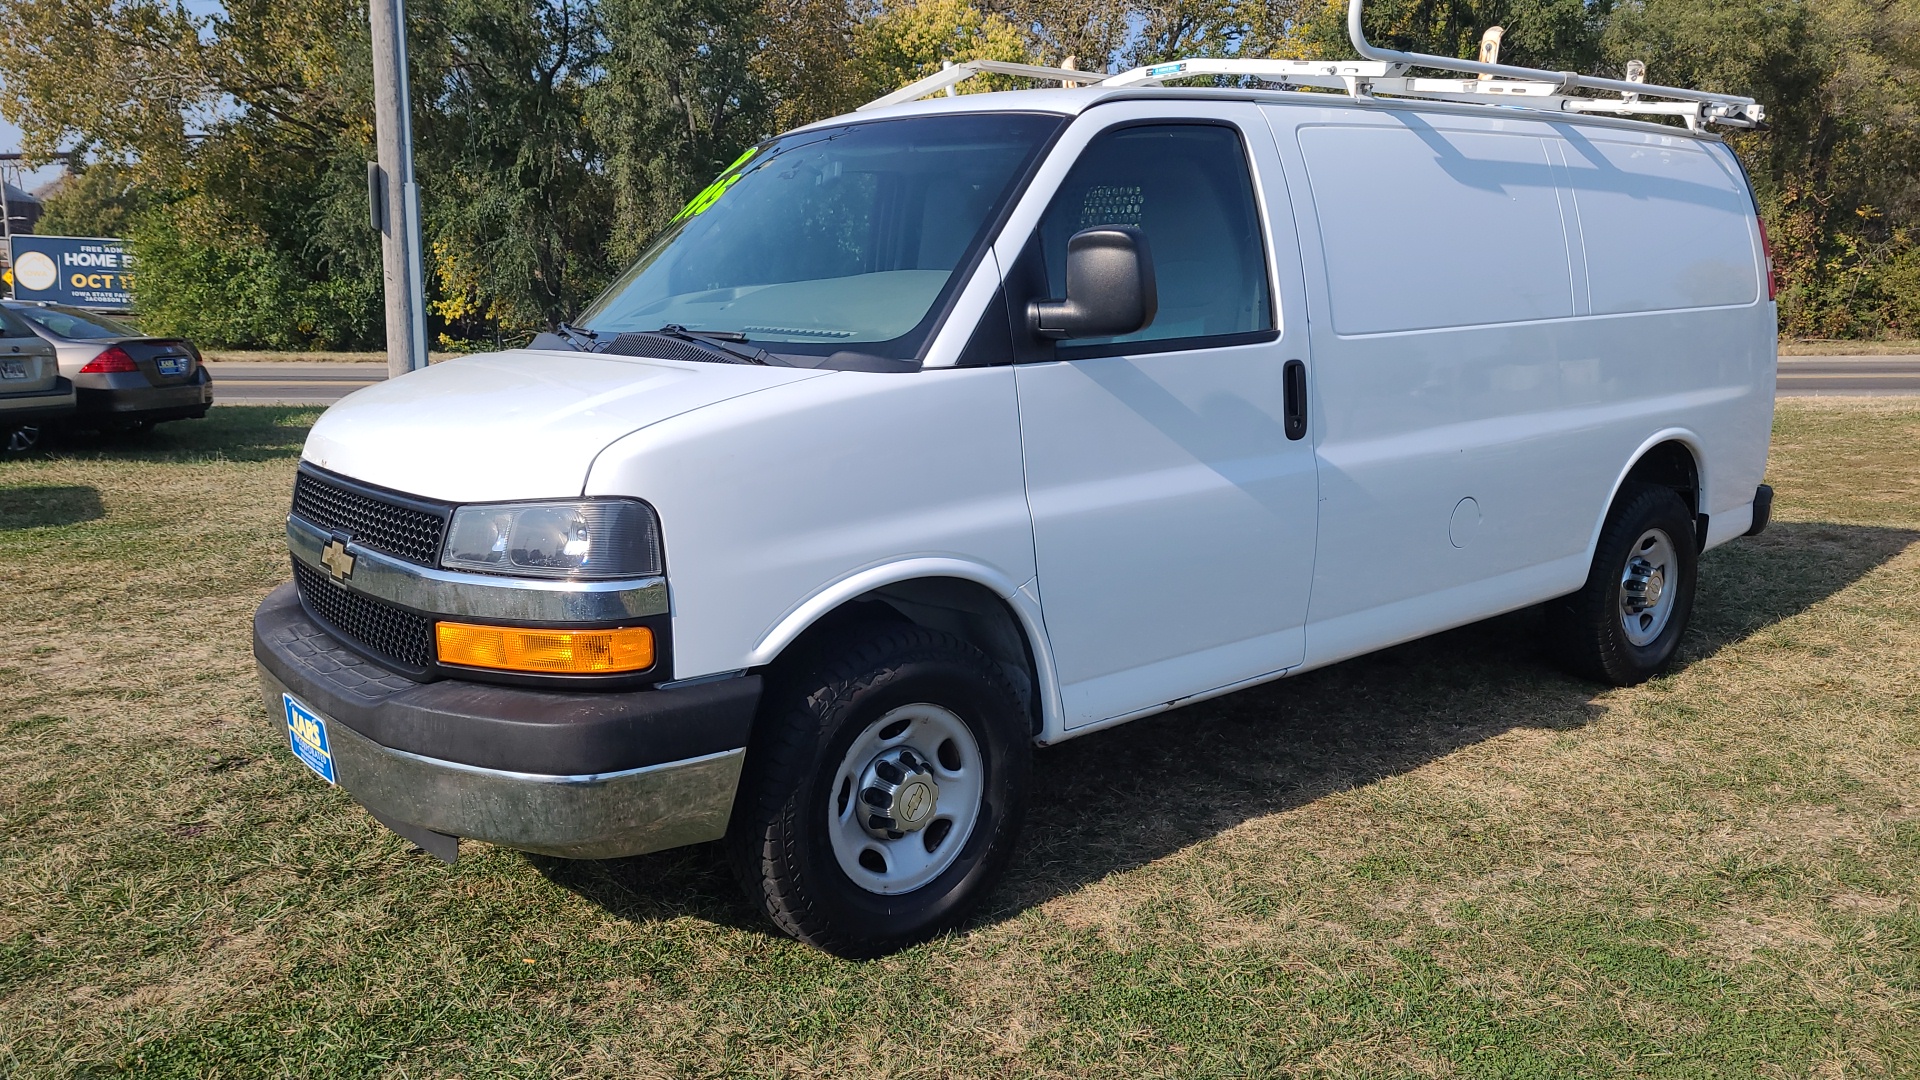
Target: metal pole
[[400, 258]]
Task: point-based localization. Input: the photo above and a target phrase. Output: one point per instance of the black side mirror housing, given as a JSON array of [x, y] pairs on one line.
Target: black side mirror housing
[[1110, 288]]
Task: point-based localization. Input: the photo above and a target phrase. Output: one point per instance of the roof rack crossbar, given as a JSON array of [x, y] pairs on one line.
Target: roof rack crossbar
[[1383, 72], [959, 73]]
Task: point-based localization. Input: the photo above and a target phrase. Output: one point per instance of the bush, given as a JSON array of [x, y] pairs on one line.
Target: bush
[[240, 292]]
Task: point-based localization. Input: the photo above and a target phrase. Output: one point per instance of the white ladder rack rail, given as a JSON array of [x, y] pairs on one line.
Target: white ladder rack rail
[[958, 73], [1384, 74]]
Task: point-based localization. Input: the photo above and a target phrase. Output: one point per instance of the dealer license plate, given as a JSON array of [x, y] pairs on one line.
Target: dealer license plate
[[307, 731], [171, 365], [13, 369]]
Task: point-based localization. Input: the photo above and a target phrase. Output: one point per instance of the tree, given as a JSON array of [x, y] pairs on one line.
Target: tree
[[905, 41], [91, 200]]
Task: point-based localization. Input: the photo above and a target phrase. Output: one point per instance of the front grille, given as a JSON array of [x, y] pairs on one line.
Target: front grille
[[383, 523], [385, 630]]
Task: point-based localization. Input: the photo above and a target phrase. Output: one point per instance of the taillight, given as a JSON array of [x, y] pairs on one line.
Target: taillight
[[1766, 252], [114, 359]]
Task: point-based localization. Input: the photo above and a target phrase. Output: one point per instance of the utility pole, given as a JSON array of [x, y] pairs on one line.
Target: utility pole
[[393, 196]]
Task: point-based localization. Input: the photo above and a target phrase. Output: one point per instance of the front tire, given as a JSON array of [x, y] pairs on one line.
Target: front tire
[[1624, 625], [884, 790]]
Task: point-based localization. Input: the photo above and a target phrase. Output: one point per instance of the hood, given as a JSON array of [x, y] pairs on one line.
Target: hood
[[515, 425]]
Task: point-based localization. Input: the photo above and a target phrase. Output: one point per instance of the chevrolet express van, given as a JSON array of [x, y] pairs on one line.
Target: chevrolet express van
[[953, 427]]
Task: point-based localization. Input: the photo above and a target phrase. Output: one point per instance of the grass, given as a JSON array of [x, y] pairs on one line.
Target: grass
[[1447, 859]]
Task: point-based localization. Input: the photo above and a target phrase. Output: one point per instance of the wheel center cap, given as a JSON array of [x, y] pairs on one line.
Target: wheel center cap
[[898, 794], [1656, 584]]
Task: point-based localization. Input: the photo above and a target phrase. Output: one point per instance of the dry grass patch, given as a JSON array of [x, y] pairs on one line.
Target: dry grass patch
[[1445, 860]]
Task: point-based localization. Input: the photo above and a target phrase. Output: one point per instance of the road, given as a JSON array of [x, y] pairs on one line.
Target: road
[[324, 384], [289, 383]]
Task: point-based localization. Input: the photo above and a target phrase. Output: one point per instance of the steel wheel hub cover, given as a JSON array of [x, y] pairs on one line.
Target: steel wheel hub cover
[[905, 798]]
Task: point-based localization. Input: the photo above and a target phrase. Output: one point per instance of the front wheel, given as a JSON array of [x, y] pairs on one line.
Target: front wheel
[[1625, 624], [883, 792]]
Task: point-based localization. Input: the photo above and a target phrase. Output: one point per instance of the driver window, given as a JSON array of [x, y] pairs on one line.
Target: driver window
[[1188, 189]]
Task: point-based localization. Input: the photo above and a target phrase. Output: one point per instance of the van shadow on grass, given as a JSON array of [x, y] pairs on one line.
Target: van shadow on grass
[[1119, 799], [228, 433], [48, 505]]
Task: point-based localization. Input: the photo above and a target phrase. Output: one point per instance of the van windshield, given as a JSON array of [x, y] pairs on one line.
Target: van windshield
[[831, 239]]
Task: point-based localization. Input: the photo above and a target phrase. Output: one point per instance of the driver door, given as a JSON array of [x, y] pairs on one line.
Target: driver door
[[1173, 516]]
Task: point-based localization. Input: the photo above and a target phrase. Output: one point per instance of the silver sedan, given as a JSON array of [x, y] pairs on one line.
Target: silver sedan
[[125, 380]]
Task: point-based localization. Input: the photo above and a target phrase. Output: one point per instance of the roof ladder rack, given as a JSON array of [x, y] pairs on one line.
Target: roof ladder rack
[[1383, 73], [952, 74]]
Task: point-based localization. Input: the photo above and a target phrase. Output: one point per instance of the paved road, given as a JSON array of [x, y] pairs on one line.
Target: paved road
[[290, 383], [1848, 375], [324, 384]]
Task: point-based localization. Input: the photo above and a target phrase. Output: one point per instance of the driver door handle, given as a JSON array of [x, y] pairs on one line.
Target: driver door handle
[[1295, 406]]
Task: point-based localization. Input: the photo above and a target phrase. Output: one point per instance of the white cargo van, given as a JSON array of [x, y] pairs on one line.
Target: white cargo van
[[956, 426]]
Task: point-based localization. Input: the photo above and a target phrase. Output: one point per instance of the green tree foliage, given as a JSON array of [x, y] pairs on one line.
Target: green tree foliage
[[92, 200], [514, 198], [555, 137]]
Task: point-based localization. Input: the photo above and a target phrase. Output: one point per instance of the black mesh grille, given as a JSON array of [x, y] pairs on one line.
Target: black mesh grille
[[662, 347], [385, 630], [407, 532]]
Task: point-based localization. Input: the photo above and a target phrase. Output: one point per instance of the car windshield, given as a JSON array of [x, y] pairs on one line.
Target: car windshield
[[73, 323], [841, 238]]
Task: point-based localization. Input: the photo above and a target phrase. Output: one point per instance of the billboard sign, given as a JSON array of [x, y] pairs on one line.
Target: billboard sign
[[84, 271]]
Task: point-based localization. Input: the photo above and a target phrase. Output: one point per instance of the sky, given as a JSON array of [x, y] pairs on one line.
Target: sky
[[10, 144]]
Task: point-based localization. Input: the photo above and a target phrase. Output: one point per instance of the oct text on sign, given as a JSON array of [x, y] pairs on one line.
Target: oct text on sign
[[84, 271]]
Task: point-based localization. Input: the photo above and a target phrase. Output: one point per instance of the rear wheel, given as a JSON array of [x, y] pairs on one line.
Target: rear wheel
[[1624, 625], [884, 789]]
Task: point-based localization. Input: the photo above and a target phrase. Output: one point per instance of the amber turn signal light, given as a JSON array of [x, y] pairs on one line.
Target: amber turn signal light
[[546, 652]]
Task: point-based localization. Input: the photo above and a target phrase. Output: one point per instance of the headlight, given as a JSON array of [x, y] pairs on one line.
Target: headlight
[[597, 538]]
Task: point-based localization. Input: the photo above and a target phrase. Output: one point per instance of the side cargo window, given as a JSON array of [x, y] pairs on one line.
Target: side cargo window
[[1188, 189]]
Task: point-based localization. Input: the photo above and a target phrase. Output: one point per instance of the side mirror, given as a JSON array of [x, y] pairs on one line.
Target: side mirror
[[1109, 287]]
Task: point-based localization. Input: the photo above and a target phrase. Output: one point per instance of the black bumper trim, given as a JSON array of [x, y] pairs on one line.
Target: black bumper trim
[[1762, 510], [498, 727]]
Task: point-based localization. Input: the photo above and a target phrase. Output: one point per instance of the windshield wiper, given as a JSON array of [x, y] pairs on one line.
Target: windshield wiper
[[579, 337], [724, 340]]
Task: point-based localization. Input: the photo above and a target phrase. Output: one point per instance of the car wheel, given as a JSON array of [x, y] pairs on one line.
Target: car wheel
[[884, 789], [1624, 625], [22, 439]]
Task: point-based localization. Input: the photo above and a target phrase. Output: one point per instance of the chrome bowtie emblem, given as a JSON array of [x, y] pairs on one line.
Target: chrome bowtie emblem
[[335, 558]]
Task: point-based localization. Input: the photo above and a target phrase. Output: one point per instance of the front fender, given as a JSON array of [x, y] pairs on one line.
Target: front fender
[[1023, 601]]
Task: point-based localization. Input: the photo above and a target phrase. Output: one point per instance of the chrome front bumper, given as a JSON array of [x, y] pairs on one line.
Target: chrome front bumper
[[588, 816]]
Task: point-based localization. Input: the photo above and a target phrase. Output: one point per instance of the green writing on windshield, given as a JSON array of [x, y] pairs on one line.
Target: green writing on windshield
[[712, 192]]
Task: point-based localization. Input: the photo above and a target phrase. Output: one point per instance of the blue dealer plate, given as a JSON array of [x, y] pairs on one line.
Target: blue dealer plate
[[307, 731], [171, 365]]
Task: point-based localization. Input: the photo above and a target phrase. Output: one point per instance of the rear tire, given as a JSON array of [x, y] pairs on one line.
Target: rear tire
[[901, 721], [1624, 625]]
